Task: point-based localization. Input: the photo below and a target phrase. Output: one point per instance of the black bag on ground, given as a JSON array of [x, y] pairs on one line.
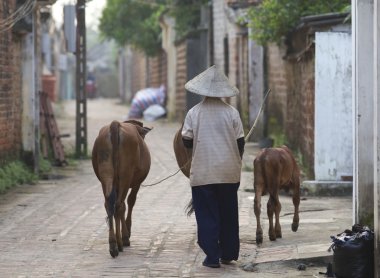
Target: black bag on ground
[[353, 253]]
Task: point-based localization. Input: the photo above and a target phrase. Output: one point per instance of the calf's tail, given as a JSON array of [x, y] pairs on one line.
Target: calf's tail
[[115, 140]]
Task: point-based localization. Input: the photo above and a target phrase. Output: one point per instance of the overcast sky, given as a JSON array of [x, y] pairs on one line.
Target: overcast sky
[[93, 11]]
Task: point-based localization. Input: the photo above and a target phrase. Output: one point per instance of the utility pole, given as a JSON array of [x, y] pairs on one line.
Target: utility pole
[[81, 101]]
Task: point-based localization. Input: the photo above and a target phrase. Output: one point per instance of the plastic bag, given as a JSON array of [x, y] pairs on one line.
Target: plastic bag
[[353, 253], [154, 112]]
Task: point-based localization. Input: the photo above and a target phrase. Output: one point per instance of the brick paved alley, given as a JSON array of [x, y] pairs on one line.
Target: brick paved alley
[[57, 227]]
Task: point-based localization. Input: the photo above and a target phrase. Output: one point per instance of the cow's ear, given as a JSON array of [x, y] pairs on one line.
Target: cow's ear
[[143, 130], [138, 123]]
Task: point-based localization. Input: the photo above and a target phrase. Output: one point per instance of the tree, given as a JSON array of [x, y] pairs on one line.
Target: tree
[[136, 22], [133, 22], [274, 19]]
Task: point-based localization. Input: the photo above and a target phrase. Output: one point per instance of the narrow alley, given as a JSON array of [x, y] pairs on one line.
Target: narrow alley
[[57, 227]]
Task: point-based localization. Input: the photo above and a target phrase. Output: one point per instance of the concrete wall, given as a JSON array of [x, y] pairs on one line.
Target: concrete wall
[[28, 96], [363, 114], [333, 106], [220, 32], [168, 44]]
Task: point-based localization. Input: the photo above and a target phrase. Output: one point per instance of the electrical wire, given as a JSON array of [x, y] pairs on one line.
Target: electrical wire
[[23, 11]]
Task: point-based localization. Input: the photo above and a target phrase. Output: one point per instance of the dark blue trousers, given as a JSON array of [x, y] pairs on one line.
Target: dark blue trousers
[[217, 215]]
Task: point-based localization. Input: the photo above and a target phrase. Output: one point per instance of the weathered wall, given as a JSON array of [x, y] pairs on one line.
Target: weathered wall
[[10, 89], [333, 105]]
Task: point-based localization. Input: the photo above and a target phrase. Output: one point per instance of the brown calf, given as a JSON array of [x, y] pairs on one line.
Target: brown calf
[[121, 161], [275, 169]]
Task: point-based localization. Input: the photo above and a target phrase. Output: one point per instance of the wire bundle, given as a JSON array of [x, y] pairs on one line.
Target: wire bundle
[[21, 12]]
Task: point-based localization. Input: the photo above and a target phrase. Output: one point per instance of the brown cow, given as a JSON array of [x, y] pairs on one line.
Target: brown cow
[[121, 161], [275, 169]]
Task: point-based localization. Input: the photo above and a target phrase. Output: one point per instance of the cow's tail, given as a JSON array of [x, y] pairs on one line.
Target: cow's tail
[[115, 140]]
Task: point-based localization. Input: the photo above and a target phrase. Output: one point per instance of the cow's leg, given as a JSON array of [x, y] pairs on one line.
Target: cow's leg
[[296, 203], [270, 211], [111, 235], [124, 228], [131, 202], [119, 220], [257, 210], [277, 210]]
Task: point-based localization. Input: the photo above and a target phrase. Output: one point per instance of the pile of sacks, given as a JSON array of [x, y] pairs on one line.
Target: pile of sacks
[[353, 253]]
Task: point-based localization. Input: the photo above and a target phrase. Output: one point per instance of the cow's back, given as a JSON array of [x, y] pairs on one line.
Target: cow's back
[[134, 154], [134, 157]]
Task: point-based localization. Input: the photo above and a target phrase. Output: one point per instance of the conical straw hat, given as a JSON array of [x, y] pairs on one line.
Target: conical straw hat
[[211, 83]]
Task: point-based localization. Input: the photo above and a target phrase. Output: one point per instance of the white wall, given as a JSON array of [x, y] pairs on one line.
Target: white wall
[[333, 106]]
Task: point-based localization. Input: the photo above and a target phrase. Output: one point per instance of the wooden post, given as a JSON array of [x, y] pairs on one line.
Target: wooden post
[[376, 101], [81, 101]]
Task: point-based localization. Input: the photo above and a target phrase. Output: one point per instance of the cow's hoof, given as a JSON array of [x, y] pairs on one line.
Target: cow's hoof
[[120, 247], [294, 227], [279, 235], [126, 242], [272, 237], [114, 252], [259, 239]]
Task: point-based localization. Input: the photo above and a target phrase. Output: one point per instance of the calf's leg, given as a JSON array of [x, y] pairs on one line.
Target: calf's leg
[[296, 203], [257, 210], [270, 212], [277, 210]]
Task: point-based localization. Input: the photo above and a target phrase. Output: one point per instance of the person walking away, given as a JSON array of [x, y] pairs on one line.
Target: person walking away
[[214, 131]]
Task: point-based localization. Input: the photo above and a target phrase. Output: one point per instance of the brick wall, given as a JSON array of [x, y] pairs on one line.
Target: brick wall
[[148, 71], [180, 102], [10, 90], [300, 123], [291, 102], [138, 72], [157, 70], [277, 82]]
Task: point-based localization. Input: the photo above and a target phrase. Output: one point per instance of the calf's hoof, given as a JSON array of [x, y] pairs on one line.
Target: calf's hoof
[[294, 227]]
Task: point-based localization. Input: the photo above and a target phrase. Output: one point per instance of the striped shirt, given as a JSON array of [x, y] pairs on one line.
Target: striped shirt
[[214, 127]]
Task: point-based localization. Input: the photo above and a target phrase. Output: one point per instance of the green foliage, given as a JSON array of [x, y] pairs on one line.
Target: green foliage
[[133, 22], [276, 132], [136, 22], [274, 19], [15, 173], [187, 15]]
